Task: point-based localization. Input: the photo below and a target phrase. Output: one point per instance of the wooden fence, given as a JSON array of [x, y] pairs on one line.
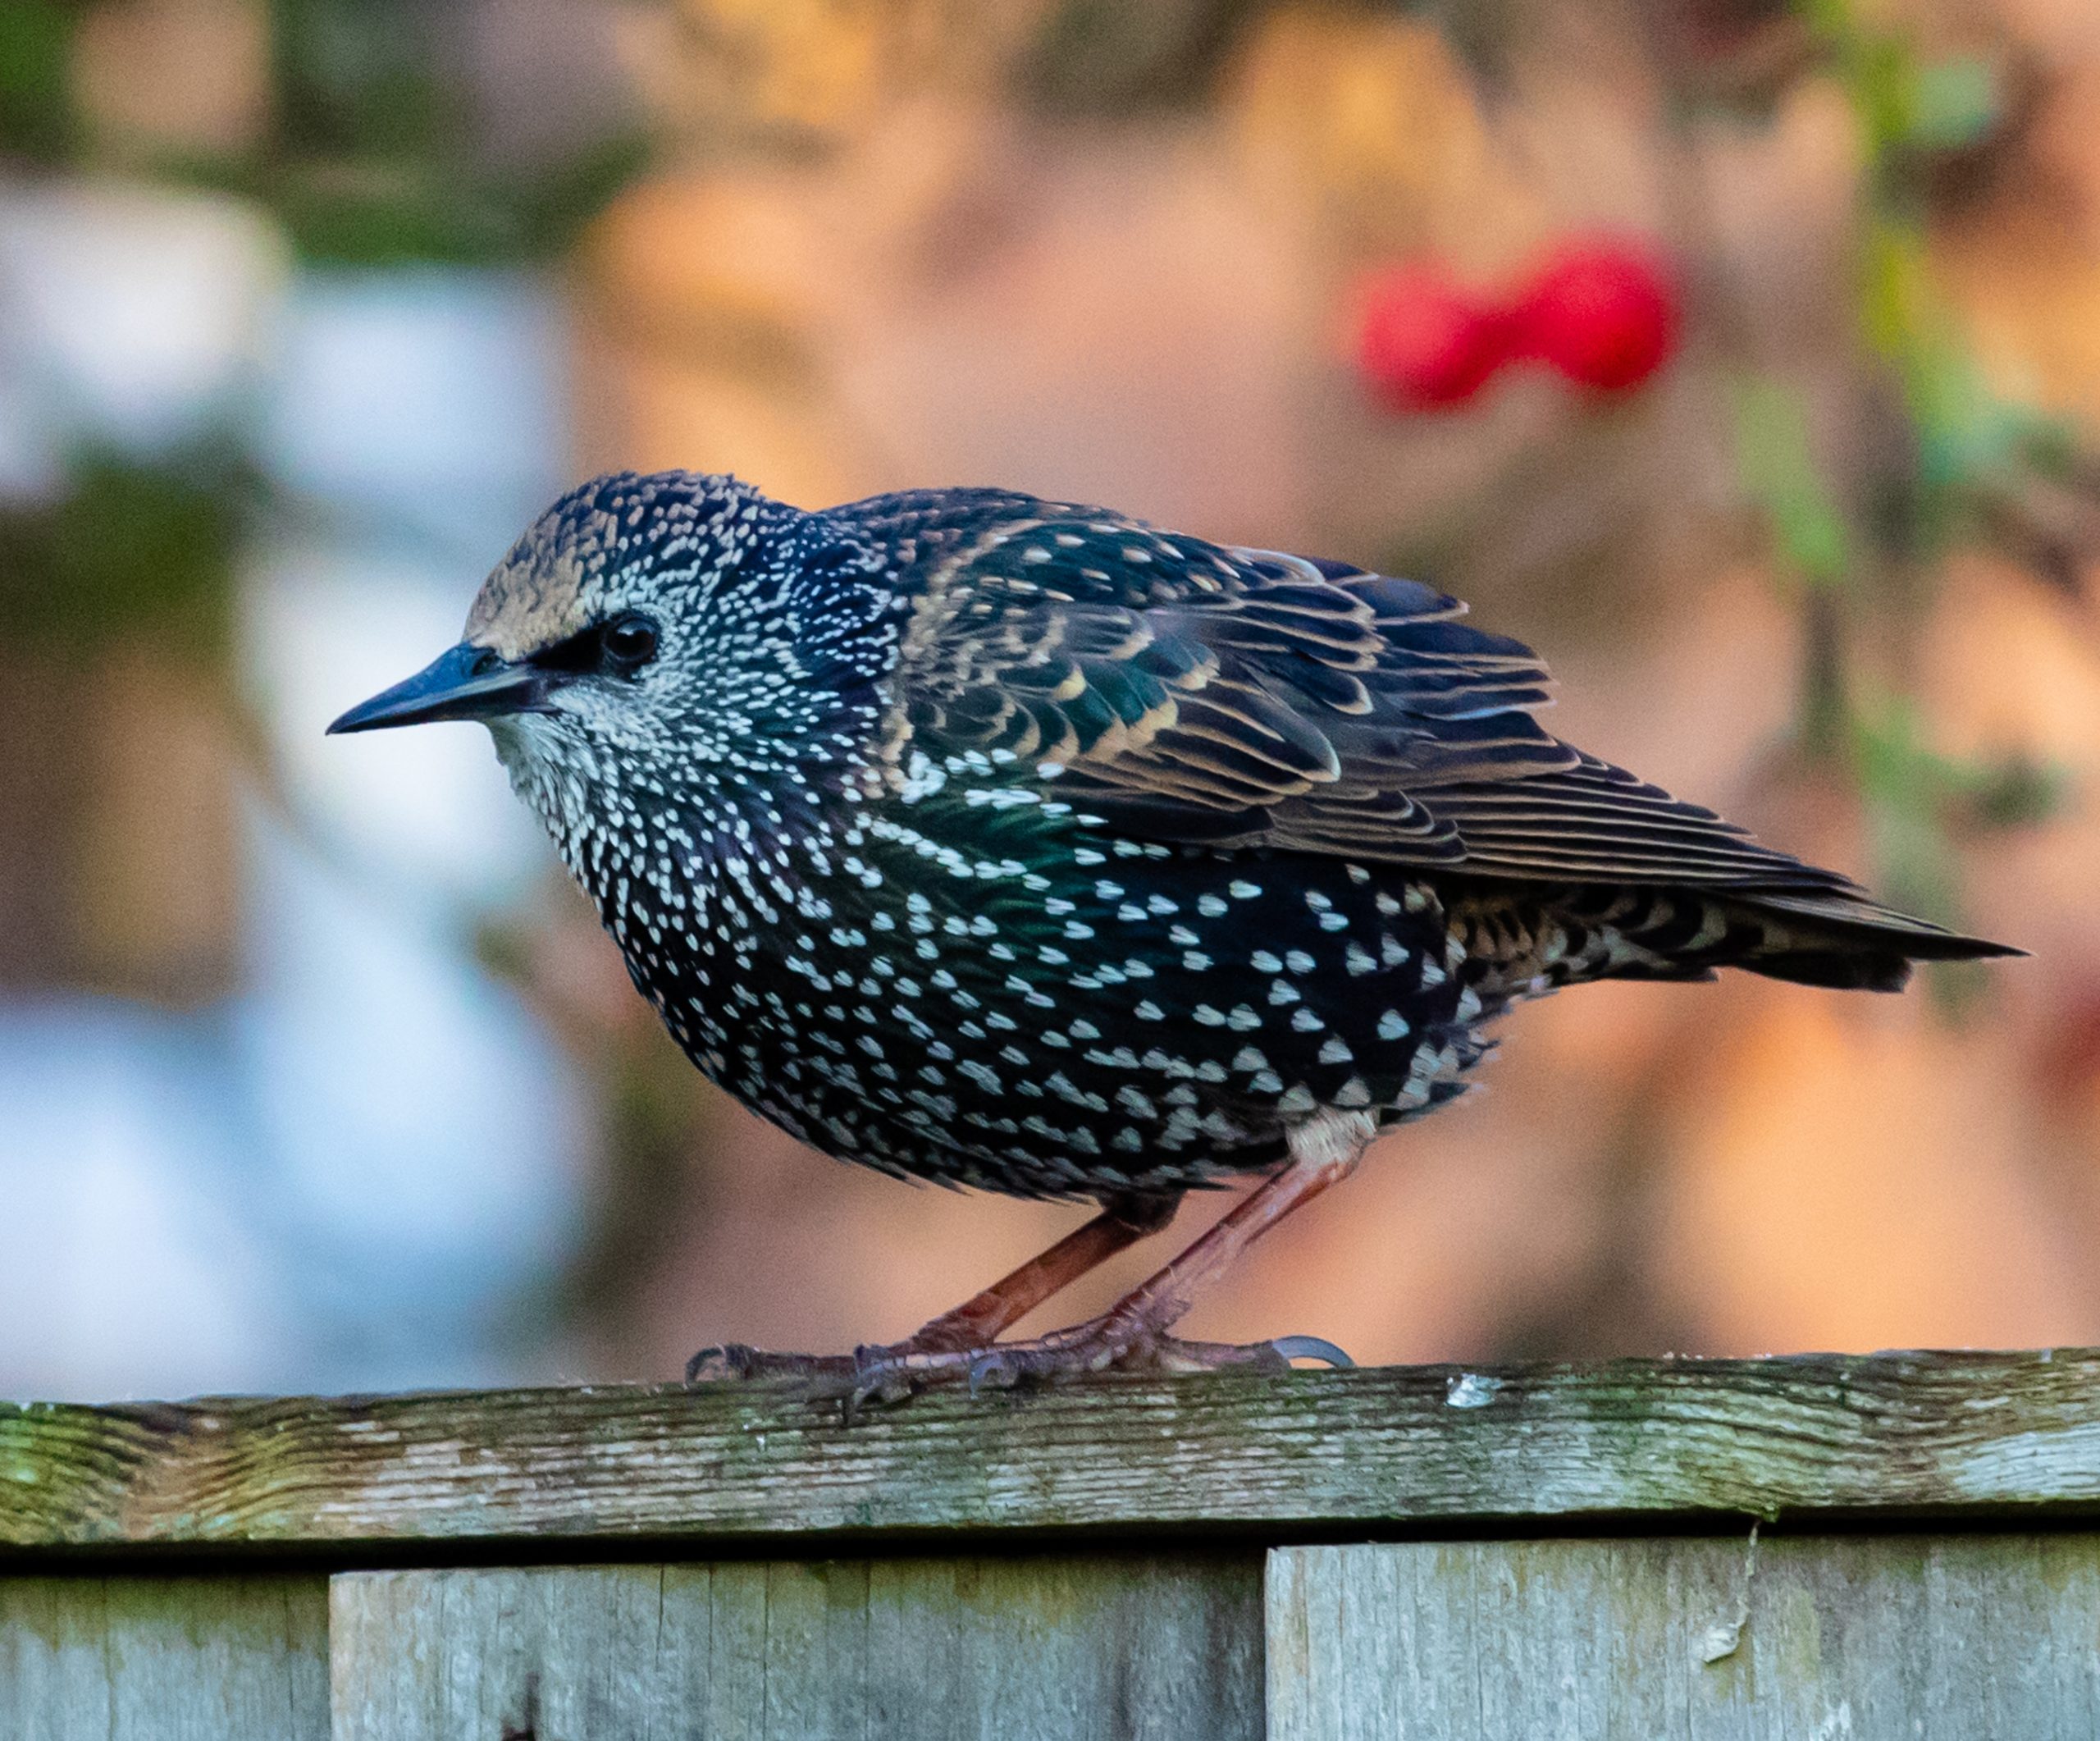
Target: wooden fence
[[1823, 1549]]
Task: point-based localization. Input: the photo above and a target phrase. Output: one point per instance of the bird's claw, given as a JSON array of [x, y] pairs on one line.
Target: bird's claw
[[730, 1360], [990, 1370], [1312, 1348]]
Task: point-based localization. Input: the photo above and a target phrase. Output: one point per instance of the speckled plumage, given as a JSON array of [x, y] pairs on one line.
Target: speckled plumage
[[1021, 845]]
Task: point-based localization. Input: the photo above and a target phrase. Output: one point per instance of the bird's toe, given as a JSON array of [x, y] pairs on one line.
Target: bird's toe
[[733, 1362]]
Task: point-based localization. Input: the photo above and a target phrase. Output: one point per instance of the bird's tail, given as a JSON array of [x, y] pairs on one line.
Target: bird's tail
[[1832, 938]]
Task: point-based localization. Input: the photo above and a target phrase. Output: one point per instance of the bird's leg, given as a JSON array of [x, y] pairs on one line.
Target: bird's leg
[[1133, 1332], [978, 1322], [981, 1319]]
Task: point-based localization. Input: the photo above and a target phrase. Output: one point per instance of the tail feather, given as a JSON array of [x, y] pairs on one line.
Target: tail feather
[[1841, 940], [1519, 942]]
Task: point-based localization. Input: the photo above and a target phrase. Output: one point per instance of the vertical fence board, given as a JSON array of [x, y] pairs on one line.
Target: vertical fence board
[[1158, 1648], [233, 1658], [1982, 1636]]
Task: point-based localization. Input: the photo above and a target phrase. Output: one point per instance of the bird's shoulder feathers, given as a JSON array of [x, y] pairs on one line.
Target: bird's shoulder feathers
[[1205, 694]]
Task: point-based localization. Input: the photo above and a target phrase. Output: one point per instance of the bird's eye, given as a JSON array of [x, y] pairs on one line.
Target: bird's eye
[[629, 642]]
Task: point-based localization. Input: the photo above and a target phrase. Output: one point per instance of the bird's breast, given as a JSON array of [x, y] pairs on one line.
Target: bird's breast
[[954, 991]]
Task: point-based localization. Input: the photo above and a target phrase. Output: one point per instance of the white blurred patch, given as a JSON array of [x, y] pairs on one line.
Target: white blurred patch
[[416, 415], [422, 1129], [134, 315], [428, 398], [126, 1266]]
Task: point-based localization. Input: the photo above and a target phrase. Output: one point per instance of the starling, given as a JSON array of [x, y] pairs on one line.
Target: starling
[[1024, 846]]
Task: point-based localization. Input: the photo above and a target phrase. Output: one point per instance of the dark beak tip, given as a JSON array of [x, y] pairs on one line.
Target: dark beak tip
[[453, 685], [381, 711]]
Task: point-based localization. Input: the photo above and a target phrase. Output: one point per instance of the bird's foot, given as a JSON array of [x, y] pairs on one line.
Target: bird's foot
[[1110, 1343], [878, 1373]]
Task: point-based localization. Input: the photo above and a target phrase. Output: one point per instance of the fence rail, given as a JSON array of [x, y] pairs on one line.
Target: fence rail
[[1421, 1551]]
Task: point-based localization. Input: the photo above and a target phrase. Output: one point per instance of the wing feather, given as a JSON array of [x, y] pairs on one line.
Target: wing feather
[[1203, 694]]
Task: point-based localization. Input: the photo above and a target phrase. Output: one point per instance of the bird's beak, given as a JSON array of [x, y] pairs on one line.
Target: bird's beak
[[467, 682]]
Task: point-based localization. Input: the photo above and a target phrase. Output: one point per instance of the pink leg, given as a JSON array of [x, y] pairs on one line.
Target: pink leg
[[979, 1320], [1133, 1332]]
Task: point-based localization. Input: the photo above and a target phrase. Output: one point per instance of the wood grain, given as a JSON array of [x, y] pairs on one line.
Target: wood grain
[[1857, 1637], [237, 1658], [1975, 1436], [1166, 1647]]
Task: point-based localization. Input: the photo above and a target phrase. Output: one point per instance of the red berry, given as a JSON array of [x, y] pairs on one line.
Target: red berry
[[1603, 314], [1424, 344]]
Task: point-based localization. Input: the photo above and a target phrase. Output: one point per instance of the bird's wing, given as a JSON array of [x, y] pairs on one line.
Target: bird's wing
[[1191, 692]]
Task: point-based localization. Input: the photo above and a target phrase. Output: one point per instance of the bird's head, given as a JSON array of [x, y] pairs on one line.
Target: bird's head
[[647, 632]]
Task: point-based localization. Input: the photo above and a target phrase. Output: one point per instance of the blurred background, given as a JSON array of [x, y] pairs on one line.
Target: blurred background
[[1742, 356]]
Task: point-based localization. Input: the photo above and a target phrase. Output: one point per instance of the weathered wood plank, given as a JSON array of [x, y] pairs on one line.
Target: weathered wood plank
[[1854, 1637], [237, 1658], [1906, 1434], [1164, 1647]]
